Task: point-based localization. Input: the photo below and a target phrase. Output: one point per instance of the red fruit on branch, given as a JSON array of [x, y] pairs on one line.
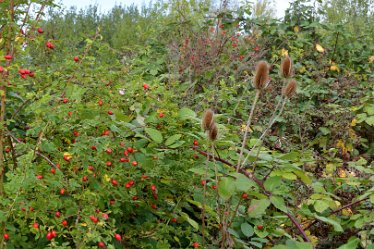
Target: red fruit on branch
[[40, 30], [8, 57], [76, 58], [6, 236], [118, 237]]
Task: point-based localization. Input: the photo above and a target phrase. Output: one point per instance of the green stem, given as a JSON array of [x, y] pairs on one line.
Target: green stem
[[247, 128]]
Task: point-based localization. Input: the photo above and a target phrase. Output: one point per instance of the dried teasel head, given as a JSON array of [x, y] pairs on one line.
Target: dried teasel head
[[286, 67], [261, 78], [290, 89], [213, 132], [208, 121]]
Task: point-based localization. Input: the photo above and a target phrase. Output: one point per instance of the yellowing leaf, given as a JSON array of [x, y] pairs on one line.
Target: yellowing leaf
[[106, 178], [319, 48], [371, 58], [334, 67], [354, 122], [302, 69], [284, 52], [296, 29], [347, 212], [342, 173], [243, 128]]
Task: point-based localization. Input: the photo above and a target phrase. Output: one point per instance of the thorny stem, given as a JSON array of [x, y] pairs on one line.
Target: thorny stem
[[246, 129]]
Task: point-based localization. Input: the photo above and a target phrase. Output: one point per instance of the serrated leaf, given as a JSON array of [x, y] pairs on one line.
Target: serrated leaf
[[278, 202], [243, 183], [186, 113], [247, 229], [335, 224], [226, 187], [272, 183], [320, 206], [154, 134], [172, 139], [258, 207]]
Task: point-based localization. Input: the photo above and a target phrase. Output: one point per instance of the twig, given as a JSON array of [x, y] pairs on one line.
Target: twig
[[298, 226]]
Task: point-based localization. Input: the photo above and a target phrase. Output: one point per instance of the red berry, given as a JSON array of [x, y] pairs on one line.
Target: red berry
[[64, 223], [93, 147], [100, 102], [52, 170], [154, 206], [131, 182], [160, 114], [67, 158], [49, 236], [124, 160], [50, 45], [40, 30], [58, 165], [134, 163], [144, 177], [108, 150], [32, 74], [128, 185], [196, 245], [153, 187], [70, 113], [203, 182], [174, 220], [244, 196], [134, 198], [195, 142], [8, 57], [7, 150], [39, 177], [260, 227], [84, 179], [108, 163], [94, 219], [35, 225], [114, 182], [130, 150], [214, 187], [105, 216], [6, 236], [1, 69], [112, 202], [101, 244], [90, 167], [65, 100], [54, 234], [105, 133], [22, 71], [145, 86], [76, 58], [118, 237], [57, 214], [110, 112]]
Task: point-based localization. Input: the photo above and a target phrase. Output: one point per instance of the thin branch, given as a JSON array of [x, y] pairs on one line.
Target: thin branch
[[298, 226]]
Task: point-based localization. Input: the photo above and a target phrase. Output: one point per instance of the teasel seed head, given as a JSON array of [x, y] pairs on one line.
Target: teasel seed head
[[261, 78], [289, 89], [286, 69], [213, 132], [208, 120]]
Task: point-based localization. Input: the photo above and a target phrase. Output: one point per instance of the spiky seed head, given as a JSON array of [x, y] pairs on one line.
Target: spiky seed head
[[261, 78], [213, 132], [207, 120], [286, 67], [290, 89]]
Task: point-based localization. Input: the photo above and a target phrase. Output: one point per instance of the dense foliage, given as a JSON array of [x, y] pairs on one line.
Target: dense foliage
[[102, 142]]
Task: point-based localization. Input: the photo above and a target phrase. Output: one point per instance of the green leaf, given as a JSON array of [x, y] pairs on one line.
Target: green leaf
[[272, 183], [226, 187], [352, 243], [186, 113], [172, 139], [258, 207], [324, 130], [370, 120], [372, 198], [247, 229], [278, 202], [335, 224], [243, 183], [303, 177], [193, 223], [320, 206], [154, 134]]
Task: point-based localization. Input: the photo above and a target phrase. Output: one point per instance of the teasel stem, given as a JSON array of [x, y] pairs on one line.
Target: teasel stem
[[271, 122], [247, 128], [204, 202]]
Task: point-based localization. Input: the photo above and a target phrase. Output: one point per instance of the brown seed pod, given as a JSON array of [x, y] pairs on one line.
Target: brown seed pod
[[261, 78], [213, 132], [290, 89], [208, 120], [286, 67]]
